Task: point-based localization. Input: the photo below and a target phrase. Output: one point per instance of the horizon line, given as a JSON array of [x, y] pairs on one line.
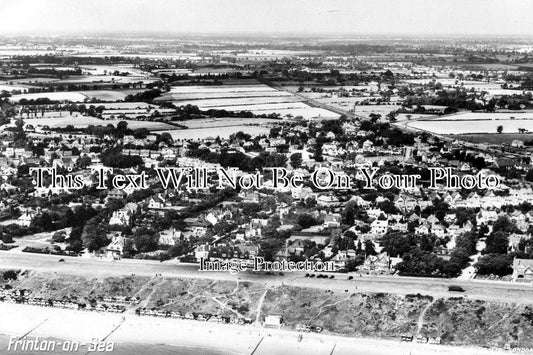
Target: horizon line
[[256, 34]]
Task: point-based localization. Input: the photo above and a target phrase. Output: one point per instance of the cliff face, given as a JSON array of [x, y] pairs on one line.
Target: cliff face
[[473, 322], [455, 320]]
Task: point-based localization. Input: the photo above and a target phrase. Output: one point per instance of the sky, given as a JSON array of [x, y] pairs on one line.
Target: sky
[[388, 17]]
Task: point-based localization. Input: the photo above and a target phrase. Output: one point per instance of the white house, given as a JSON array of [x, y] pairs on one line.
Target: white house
[[379, 227], [169, 236]]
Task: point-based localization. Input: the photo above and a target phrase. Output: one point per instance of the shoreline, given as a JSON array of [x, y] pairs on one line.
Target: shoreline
[[130, 329]]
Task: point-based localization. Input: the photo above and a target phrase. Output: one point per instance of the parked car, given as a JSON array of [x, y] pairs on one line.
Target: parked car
[[455, 288]]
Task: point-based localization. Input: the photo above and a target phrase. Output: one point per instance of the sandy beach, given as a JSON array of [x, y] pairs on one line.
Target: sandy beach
[[197, 337]]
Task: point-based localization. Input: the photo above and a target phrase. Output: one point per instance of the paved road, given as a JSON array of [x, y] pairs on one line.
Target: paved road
[[504, 292]]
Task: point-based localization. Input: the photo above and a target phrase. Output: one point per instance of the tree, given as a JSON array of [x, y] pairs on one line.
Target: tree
[[350, 234], [114, 158], [483, 230], [349, 213], [452, 268], [305, 220], [274, 132], [392, 116], [145, 240], [317, 155], [270, 246], [460, 256], [59, 237], [468, 242], [374, 117], [370, 249], [267, 160], [19, 136], [351, 265], [503, 224], [497, 243], [296, 160], [43, 222], [83, 162], [396, 244], [141, 133], [529, 175], [94, 234], [388, 207], [74, 241], [494, 264], [421, 263], [165, 138], [499, 129], [10, 275], [122, 127]]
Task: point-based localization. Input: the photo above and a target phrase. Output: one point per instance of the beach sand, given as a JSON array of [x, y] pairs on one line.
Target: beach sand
[[130, 333]]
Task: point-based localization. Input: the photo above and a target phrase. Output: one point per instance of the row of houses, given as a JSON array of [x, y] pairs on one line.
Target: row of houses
[[67, 304], [203, 317]]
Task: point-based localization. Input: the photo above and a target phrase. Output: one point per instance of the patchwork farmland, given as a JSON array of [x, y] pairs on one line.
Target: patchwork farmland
[[258, 99]]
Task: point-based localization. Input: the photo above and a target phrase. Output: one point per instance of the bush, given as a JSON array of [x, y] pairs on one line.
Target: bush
[[10, 275], [59, 237]]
